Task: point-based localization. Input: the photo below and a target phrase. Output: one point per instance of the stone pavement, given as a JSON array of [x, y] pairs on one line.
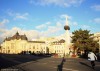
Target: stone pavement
[[34, 63], [51, 64]]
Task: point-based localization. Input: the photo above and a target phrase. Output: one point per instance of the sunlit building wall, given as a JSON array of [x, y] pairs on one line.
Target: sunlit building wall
[[97, 38], [13, 46], [59, 47], [19, 43], [36, 46]]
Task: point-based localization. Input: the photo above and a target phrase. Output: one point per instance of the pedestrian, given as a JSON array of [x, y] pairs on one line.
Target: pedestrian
[[92, 57], [60, 67], [64, 60]]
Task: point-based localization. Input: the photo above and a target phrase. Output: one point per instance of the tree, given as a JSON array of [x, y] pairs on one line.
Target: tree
[[83, 41]]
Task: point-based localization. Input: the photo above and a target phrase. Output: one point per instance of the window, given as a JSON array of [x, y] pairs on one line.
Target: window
[[33, 47]]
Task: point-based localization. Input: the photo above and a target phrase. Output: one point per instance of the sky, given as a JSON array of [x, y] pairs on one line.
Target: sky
[[46, 18]]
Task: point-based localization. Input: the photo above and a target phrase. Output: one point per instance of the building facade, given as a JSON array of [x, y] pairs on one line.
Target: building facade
[[19, 43], [96, 37]]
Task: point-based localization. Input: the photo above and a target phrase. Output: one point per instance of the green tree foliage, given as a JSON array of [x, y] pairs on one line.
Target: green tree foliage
[[83, 40]]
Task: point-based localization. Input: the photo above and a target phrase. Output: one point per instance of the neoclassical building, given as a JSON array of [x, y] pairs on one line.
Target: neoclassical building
[[19, 43]]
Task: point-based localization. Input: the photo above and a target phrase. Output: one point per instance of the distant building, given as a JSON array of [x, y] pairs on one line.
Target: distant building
[[19, 43], [96, 37], [59, 47]]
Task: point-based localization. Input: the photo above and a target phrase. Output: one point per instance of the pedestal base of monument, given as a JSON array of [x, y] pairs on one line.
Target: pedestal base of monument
[[74, 55]]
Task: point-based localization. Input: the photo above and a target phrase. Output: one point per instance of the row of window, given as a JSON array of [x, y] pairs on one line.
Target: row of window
[[59, 51], [57, 47]]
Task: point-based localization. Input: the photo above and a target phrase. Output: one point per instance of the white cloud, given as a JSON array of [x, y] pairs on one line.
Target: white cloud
[[50, 30], [75, 24], [43, 25], [10, 12], [96, 7], [4, 21], [85, 27], [48, 23], [64, 3], [58, 24], [31, 34], [63, 36], [21, 16], [2, 30], [53, 30], [96, 20], [65, 15], [16, 16]]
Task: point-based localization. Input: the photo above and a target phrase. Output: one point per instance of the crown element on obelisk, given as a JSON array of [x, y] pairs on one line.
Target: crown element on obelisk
[[66, 27], [67, 20]]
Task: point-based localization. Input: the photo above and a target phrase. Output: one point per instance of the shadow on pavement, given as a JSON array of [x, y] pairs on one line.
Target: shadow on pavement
[[60, 66], [9, 60], [85, 64], [97, 68]]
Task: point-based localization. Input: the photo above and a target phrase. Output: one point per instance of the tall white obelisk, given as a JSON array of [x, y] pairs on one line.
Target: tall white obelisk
[[67, 37]]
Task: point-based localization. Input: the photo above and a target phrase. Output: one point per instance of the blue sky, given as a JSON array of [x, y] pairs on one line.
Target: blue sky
[[37, 18]]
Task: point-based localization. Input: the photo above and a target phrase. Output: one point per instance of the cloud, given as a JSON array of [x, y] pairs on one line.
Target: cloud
[[3, 22], [31, 34], [75, 24], [17, 16], [42, 26], [2, 30], [48, 23], [65, 15], [85, 27], [64, 3], [63, 36], [21, 16], [96, 20], [52, 30], [10, 12], [96, 7]]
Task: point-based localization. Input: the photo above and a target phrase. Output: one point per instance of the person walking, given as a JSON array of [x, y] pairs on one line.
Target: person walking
[[60, 66], [92, 57]]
